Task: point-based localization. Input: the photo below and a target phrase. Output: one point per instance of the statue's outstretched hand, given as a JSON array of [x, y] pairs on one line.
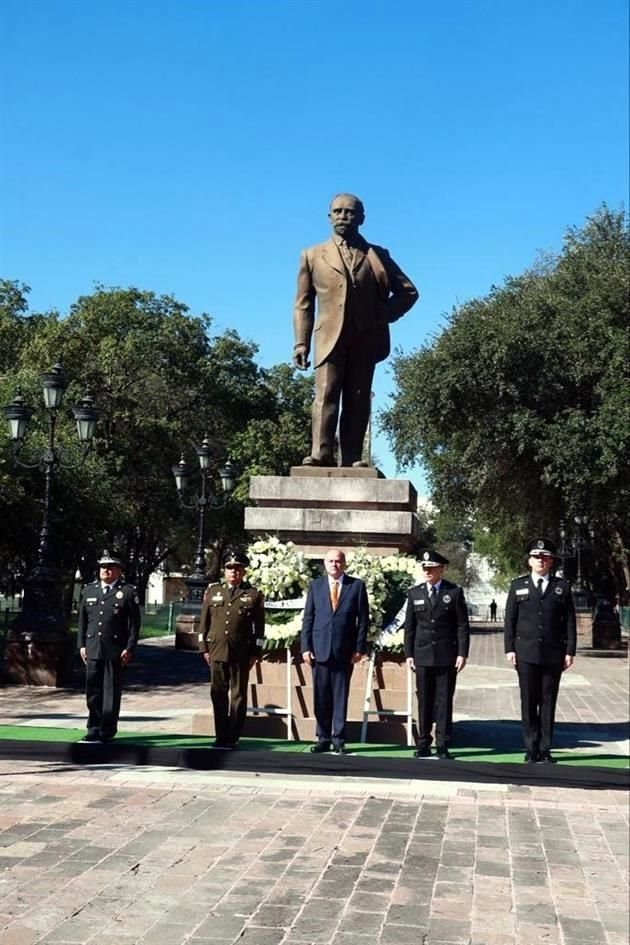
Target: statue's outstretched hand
[[300, 357]]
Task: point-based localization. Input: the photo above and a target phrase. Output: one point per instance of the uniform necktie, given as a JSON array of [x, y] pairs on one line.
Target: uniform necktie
[[540, 586], [334, 594], [433, 597], [106, 589]]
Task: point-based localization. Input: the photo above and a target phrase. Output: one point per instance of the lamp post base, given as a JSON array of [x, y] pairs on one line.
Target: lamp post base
[[38, 660], [187, 628], [187, 624]]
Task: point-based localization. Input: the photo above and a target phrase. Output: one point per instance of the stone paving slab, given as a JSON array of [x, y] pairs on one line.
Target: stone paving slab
[[171, 857]]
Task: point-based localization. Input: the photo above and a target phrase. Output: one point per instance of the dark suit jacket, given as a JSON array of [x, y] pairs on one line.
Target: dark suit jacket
[[437, 636], [340, 633], [108, 623], [540, 630], [322, 275], [232, 627]]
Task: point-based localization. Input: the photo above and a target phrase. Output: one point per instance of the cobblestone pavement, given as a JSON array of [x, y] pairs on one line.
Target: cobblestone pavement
[[166, 857], [154, 856]]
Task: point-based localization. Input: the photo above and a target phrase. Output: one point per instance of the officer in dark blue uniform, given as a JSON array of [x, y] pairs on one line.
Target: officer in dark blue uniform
[[109, 624], [540, 641], [437, 640]]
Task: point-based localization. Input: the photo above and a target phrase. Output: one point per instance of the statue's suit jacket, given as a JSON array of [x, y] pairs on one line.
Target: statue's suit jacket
[[323, 275], [339, 633]]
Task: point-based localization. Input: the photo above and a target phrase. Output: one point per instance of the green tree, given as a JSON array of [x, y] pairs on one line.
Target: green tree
[[519, 409], [162, 381]]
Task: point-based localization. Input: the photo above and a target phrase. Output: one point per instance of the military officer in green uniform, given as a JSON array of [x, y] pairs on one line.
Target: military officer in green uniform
[[540, 641], [109, 624], [232, 626]]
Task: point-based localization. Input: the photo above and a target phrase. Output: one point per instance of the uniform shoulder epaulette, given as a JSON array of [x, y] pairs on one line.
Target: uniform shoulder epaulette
[[214, 584], [521, 577]]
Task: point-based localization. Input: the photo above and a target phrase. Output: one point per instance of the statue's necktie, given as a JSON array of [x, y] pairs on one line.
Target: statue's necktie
[[334, 594]]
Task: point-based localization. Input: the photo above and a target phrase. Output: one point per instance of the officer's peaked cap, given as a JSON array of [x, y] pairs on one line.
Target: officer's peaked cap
[[430, 557], [541, 546], [108, 558], [235, 557]]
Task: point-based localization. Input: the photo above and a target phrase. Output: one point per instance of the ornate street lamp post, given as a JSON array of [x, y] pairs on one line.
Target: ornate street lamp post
[[573, 546], [38, 645], [196, 582]]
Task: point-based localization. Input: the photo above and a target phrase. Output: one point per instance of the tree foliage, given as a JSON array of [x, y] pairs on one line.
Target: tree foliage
[[519, 408], [162, 381]]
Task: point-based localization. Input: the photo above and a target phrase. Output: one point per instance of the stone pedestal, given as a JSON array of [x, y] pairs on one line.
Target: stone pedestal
[[319, 508], [267, 689]]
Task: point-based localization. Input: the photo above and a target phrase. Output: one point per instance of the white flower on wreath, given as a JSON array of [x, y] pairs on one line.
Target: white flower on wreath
[[277, 569]]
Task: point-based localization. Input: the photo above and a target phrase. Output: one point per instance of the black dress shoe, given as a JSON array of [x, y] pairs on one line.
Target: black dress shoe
[[320, 748], [339, 750], [221, 744], [443, 754], [422, 753], [546, 758], [530, 757], [91, 737]]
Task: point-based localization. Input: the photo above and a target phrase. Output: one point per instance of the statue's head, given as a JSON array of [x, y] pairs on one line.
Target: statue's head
[[346, 214]]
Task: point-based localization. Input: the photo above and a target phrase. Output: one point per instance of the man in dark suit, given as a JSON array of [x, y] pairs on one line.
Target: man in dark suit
[[232, 625], [359, 291], [109, 624], [437, 640], [334, 637], [540, 641]]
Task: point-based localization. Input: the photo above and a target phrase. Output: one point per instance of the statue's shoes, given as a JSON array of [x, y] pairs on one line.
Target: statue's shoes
[[312, 461]]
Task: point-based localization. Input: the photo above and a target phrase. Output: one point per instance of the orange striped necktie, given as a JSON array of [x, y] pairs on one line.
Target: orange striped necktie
[[334, 594]]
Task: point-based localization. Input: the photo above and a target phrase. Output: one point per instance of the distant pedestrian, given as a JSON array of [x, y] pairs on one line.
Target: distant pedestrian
[[540, 641], [109, 625], [437, 640], [493, 610], [334, 637], [232, 627]]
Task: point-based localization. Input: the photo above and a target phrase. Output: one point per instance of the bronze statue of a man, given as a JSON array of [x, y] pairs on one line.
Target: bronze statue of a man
[[359, 291]]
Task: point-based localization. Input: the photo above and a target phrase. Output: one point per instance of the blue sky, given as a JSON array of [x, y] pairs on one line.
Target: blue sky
[[192, 147]]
